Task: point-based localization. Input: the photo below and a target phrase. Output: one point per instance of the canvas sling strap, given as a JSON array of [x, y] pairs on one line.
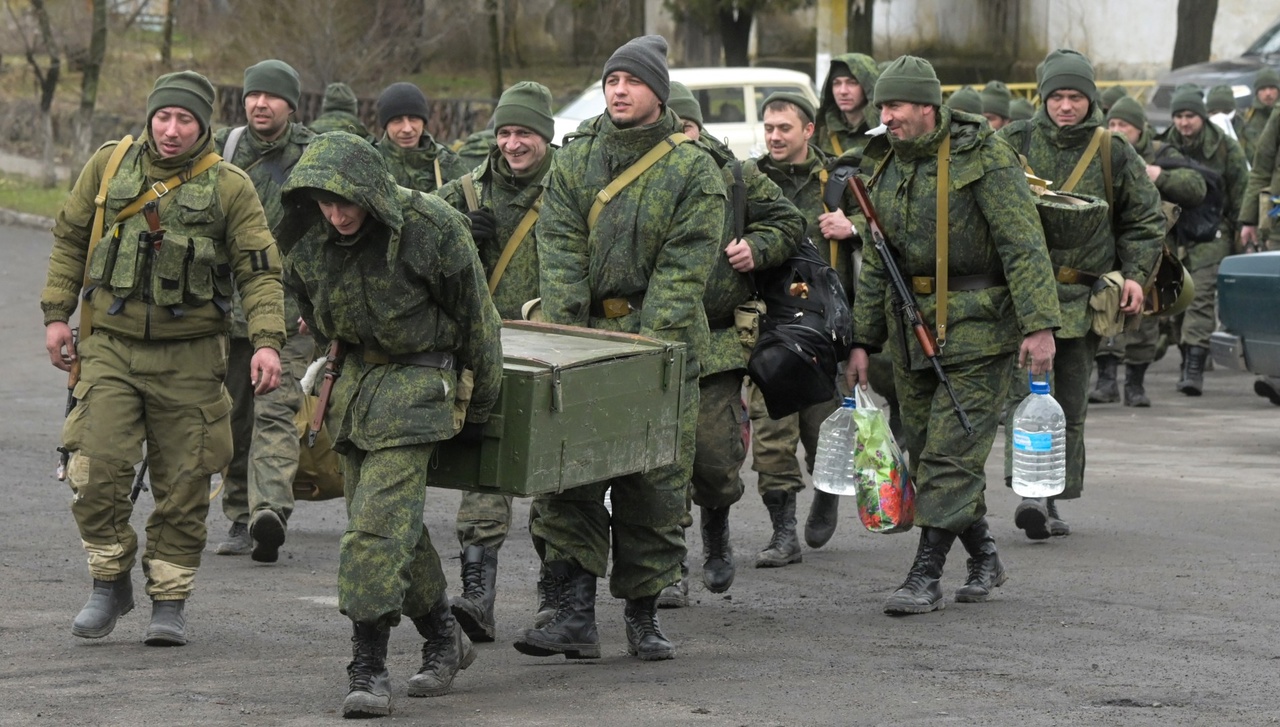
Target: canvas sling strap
[[835, 145], [232, 143], [469, 192], [160, 189], [631, 174], [435, 164], [944, 225], [517, 237], [95, 232], [1101, 139], [823, 176]]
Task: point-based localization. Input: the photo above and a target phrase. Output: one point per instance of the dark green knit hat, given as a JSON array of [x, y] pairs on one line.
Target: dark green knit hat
[[339, 97], [1021, 109], [1111, 95], [1267, 77], [185, 89], [1127, 109], [1070, 70], [965, 99], [1189, 97], [682, 102], [1221, 100], [807, 113], [645, 58], [996, 98], [909, 79], [526, 104], [274, 77]]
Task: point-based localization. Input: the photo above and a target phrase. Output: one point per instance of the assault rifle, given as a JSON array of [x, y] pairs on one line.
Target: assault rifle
[[905, 299], [332, 369]]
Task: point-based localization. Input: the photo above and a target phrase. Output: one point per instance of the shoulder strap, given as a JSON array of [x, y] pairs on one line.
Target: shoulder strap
[[469, 192], [1106, 165], [943, 230], [517, 237], [834, 246], [435, 163], [835, 145], [631, 173], [739, 200], [95, 232], [160, 189], [232, 143], [1085, 158]]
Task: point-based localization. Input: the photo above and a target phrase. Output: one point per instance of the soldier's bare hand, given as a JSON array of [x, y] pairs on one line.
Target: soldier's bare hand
[[1153, 172], [1131, 298], [60, 344], [835, 226], [856, 372], [1037, 352], [739, 253], [1249, 238], [303, 328], [264, 370]]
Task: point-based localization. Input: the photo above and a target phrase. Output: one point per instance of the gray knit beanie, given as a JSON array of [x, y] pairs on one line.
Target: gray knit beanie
[[1070, 70], [645, 58], [909, 79], [682, 102], [996, 98]]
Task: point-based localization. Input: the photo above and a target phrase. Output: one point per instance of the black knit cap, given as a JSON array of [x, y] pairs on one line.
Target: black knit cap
[[645, 58], [401, 99]]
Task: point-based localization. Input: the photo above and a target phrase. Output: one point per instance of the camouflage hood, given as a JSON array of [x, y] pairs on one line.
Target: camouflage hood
[[345, 165], [863, 68]]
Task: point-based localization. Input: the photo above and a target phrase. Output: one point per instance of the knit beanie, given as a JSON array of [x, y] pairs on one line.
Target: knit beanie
[[526, 104], [1020, 109], [401, 99], [1070, 70], [339, 97], [645, 58], [1188, 97], [274, 77], [996, 98], [1127, 109], [909, 79], [965, 99], [185, 89], [1111, 95], [807, 113], [682, 102], [1267, 77], [1222, 100]]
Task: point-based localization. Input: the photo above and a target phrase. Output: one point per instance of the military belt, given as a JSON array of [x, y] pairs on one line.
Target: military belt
[[922, 285], [428, 359], [1071, 276], [617, 307]]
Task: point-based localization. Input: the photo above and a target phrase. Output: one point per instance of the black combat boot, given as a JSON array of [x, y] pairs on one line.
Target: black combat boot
[[1192, 381], [547, 599], [644, 635], [1057, 526], [921, 592], [1134, 392], [168, 625], [1032, 517], [474, 608], [986, 572], [446, 651], [676, 595], [108, 601], [267, 531], [572, 631], [717, 551], [369, 686], [784, 546], [1106, 391], [824, 513]]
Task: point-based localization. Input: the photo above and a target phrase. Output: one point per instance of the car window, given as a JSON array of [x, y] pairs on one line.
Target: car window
[[722, 105], [1267, 44], [763, 92], [590, 103]]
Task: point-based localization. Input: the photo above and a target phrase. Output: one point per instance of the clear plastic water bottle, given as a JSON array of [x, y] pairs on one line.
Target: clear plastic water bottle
[[833, 468], [1039, 445]]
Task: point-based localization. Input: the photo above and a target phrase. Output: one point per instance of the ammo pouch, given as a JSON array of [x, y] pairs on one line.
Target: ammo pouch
[[1105, 317], [103, 262], [746, 321]]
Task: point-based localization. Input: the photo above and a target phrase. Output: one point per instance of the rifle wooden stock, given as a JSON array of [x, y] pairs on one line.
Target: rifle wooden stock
[[332, 368], [906, 299]]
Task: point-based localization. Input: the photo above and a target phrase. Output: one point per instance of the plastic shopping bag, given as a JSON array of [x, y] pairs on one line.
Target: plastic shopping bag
[[886, 498]]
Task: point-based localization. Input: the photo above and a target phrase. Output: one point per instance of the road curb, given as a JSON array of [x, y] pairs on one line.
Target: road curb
[[24, 219]]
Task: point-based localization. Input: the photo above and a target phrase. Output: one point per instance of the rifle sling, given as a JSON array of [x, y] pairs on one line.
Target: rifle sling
[[95, 232], [943, 228], [469, 192], [508, 252], [631, 173], [835, 145]]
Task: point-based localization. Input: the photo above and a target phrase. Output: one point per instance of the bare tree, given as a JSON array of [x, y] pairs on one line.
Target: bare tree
[[166, 40], [732, 19], [46, 79], [1195, 31], [89, 83], [494, 10], [859, 34]]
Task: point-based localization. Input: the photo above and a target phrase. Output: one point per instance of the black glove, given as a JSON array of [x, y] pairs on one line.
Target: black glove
[[484, 226], [471, 435]]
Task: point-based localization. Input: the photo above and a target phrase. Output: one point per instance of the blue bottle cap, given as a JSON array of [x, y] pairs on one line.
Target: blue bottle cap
[[1039, 387], [850, 403]]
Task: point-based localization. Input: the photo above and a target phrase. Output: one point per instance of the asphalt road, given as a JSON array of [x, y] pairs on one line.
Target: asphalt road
[[1160, 608]]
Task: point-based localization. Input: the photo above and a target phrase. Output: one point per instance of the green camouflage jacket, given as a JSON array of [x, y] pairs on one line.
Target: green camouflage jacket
[[509, 199], [830, 128], [1183, 187], [1256, 118], [994, 230], [408, 281], [416, 169], [268, 164], [475, 148], [1137, 223], [657, 238], [1265, 173], [771, 227], [1219, 152], [217, 231]]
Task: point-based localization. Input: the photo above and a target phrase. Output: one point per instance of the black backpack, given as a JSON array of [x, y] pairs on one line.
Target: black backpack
[[805, 332], [1202, 222]]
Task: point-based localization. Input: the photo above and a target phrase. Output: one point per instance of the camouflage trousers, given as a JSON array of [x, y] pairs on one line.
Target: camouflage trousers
[[1069, 382], [1200, 319], [1134, 347], [168, 394], [483, 519], [720, 451], [948, 466], [265, 455], [387, 566]]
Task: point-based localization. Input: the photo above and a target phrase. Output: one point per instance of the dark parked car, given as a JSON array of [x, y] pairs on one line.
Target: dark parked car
[[1237, 73], [1248, 301]]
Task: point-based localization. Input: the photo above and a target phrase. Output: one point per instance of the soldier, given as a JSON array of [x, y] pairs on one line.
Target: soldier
[[1183, 187], [966, 99], [638, 264], [257, 494], [507, 190], [1266, 90], [996, 99], [1109, 97], [339, 112], [1201, 141], [1004, 312], [841, 124], [1264, 178], [474, 149], [771, 226], [416, 160], [152, 368], [355, 237], [1222, 100]]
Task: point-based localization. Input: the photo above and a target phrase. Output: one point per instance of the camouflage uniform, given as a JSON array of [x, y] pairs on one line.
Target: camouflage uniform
[[152, 370], [265, 460], [832, 132], [416, 168], [338, 113], [1256, 118], [1137, 229], [475, 148], [994, 230], [415, 257], [656, 239], [1265, 174]]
